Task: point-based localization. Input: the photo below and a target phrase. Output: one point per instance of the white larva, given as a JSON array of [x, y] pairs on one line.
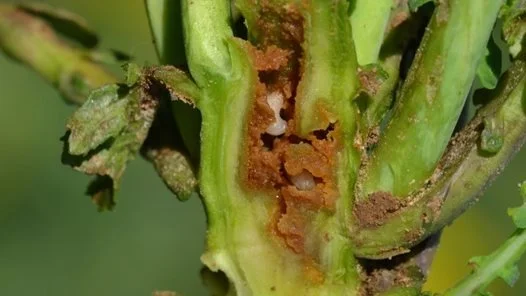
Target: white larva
[[304, 181], [279, 126]]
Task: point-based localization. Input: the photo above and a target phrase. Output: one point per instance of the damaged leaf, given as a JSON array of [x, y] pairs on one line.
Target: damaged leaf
[[180, 86], [107, 132], [116, 120], [176, 171], [103, 116], [164, 148]]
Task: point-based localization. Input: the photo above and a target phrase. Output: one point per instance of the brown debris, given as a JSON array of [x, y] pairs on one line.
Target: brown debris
[[414, 235], [303, 156], [272, 59], [382, 280], [313, 272], [291, 227], [281, 26], [377, 208], [313, 199], [370, 80], [373, 137], [434, 205], [406, 270]]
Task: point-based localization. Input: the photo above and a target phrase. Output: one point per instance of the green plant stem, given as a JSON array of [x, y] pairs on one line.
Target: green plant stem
[[432, 98], [505, 257], [402, 28], [464, 172], [369, 20], [329, 80], [239, 242], [206, 25], [32, 42]]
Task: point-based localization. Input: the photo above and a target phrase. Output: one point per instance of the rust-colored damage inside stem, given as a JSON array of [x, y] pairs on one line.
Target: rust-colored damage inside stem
[[298, 172]]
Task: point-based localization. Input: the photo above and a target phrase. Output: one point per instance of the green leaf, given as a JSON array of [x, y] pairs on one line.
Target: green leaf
[[415, 4], [490, 66], [518, 214], [68, 24], [107, 132], [510, 274]]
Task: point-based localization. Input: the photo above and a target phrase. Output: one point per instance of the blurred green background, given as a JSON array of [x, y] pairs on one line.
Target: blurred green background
[[54, 242]]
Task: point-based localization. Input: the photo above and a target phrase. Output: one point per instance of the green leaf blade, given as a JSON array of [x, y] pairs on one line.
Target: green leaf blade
[[510, 274]]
